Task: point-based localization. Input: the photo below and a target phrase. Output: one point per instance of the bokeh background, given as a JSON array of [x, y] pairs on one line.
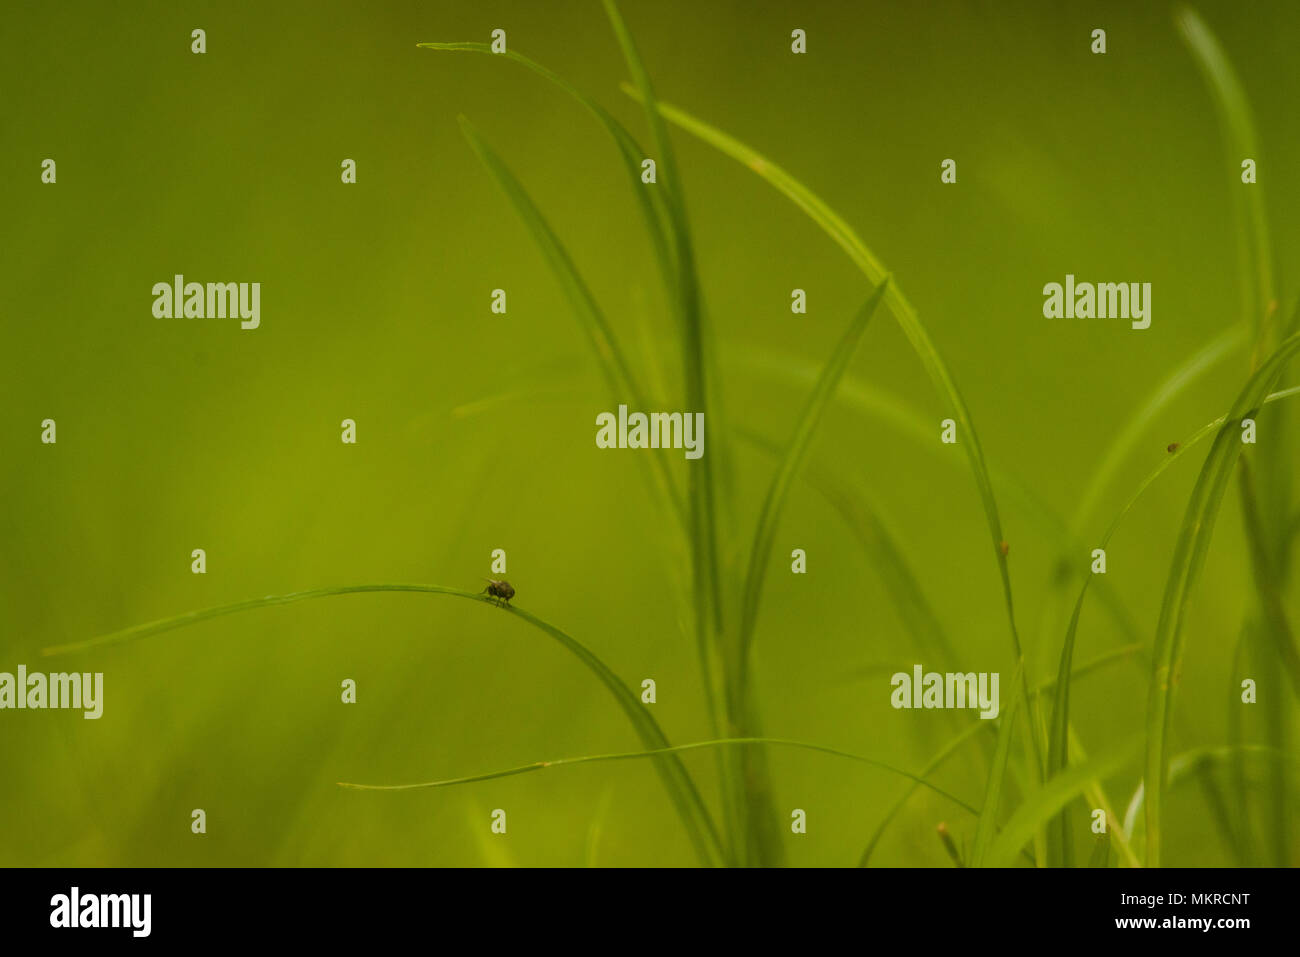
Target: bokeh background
[[475, 431]]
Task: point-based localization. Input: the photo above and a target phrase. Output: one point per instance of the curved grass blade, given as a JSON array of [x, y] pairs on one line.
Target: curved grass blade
[[917, 779], [1051, 797], [1189, 557], [805, 429], [1127, 438], [1059, 840], [1266, 498], [615, 366], [900, 415], [1058, 748], [934, 764], [681, 787], [886, 556], [898, 304], [649, 200]]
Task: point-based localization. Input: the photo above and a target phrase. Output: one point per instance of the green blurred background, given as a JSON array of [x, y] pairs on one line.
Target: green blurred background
[[181, 434]]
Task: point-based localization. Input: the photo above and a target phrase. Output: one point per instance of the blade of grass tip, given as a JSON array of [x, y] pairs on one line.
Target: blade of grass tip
[[592, 320], [777, 492], [986, 824], [650, 201], [918, 779], [747, 785], [916, 334], [677, 780], [949, 845], [1189, 556], [1051, 797]]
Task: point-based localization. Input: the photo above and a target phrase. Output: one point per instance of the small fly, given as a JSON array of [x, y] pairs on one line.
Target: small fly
[[500, 590]]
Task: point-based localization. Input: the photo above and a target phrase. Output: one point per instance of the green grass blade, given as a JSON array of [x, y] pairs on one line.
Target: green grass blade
[[934, 764], [1189, 556], [1268, 581], [1127, 439], [681, 787], [1254, 248], [747, 787], [993, 791], [1057, 792], [592, 320], [898, 304], [650, 201], [903, 417], [1095, 793], [1266, 493], [1195, 762], [917, 779], [1058, 748], [951, 747], [805, 429], [886, 557]]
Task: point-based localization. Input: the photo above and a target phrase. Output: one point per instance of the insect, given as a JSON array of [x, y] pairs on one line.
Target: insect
[[500, 589], [1172, 447]]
